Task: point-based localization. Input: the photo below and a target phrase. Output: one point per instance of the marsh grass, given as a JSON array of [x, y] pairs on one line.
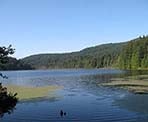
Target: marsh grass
[[138, 84], [26, 93]]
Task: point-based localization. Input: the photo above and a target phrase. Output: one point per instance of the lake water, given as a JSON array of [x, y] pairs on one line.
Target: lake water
[[81, 97]]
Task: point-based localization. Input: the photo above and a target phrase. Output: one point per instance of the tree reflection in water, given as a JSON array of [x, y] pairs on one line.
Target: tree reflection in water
[[7, 101]]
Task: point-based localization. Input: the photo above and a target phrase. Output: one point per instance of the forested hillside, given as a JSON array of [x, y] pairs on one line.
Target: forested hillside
[[14, 64], [135, 54], [94, 57], [129, 55]]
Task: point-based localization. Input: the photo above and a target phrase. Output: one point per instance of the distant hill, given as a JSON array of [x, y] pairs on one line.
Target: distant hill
[[105, 55], [128, 55]]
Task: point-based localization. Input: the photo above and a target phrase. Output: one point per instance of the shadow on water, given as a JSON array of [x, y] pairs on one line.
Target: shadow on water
[[133, 102], [8, 101]]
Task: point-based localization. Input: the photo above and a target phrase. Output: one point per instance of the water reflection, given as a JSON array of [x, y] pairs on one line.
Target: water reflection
[[7, 105], [7, 101], [133, 102], [58, 77], [82, 99], [36, 100]]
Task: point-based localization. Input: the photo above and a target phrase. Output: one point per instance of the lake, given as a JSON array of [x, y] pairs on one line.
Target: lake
[[80, 97]]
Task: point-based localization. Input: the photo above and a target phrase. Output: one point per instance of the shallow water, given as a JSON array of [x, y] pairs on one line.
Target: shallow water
[[81, 98]]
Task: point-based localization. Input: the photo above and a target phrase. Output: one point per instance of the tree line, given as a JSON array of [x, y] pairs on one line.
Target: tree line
[[134, 54], [95, 57], [129, 55]]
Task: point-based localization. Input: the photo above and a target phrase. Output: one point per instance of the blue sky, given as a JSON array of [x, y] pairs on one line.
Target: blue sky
[[56, 26]]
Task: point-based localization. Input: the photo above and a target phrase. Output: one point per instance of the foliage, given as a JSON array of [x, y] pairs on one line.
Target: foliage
[[7, 100], [128, 55], [9, 63], [135, 54], [4, 52], [95, 57], [14, 64]]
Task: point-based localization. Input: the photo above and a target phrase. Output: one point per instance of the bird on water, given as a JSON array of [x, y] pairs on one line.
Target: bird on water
[[64, 113], [61, 113]]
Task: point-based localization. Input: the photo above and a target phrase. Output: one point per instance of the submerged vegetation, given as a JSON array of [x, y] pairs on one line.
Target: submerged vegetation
[[137, 84], [26, 93]]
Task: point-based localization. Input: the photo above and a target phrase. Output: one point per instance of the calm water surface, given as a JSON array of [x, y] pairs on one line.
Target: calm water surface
[[81, 97]]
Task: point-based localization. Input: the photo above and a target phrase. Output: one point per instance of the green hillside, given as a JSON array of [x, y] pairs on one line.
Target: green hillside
[[135, 54], [129, 55], [94, 57]]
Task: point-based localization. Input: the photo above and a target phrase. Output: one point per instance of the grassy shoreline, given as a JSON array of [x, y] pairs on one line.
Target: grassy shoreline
[[26, 93]]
